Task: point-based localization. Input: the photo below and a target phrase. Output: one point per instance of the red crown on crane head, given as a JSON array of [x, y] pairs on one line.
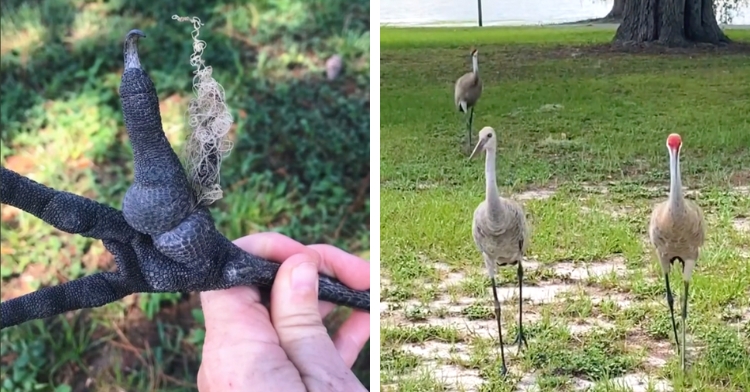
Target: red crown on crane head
[[674, 141]]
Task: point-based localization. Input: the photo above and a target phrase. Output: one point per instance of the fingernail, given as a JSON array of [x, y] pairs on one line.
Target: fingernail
[[305, 278]]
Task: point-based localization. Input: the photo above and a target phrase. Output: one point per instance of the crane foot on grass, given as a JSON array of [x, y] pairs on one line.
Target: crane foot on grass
[[521, 341]]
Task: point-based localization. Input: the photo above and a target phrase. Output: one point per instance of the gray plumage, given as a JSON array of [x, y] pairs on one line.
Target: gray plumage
[[499, 224], [498, 230], [677, 232], [468, 87], [468, 90], [501, 233]]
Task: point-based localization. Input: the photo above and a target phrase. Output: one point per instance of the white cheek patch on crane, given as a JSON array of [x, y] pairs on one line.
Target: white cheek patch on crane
[[209, 120]]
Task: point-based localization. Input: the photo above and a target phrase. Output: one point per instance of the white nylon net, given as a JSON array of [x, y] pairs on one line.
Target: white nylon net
[[209, 120]]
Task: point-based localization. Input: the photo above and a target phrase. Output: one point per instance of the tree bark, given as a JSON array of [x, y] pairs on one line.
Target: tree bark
[[670, 22], [617, 11]]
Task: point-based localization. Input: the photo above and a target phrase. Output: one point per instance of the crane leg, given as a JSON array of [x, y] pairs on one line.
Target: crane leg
[[499, 325], [670, 302], [471, 119], [520, 338], [684, 325]]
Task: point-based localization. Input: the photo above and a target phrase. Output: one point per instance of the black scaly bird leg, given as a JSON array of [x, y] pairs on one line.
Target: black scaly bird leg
[[670, 302], [683, 353], [520, 338], [504, 369], [471, 120], [162, 240]]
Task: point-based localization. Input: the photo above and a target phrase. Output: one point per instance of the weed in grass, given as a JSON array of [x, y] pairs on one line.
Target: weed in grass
[[420, 334], [417, 313], [578, 306], [397, 362], [580, 145], [478, 312], [609, 309], [552, 383], [593, 358]]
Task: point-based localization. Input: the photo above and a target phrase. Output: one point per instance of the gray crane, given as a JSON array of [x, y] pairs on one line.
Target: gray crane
[[468, 90], [500, 232], [677, 231]]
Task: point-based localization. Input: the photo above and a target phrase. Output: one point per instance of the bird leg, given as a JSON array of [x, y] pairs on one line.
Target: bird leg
[[520, 338], [684, 325], [87, 292], [670, 302], [684, 317], [499, 325], [63, 210], [471, 119]]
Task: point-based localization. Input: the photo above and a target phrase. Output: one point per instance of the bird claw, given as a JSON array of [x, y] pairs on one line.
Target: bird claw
[[520, 341], [504, 371]]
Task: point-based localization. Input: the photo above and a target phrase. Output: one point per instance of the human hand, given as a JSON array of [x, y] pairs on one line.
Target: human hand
[[248, 349]]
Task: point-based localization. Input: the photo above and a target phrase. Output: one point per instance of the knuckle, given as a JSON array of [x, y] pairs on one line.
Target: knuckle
[[307, 320]]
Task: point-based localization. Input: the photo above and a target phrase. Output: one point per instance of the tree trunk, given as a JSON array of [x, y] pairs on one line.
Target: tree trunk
[[670, 22], [618, 9]]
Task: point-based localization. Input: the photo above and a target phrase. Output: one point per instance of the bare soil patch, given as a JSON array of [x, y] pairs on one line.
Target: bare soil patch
[[538, 194], [740, 178], [742, 224], [639, 382]]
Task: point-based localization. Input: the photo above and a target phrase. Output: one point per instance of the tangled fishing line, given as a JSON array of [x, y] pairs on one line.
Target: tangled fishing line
[[209, 120]]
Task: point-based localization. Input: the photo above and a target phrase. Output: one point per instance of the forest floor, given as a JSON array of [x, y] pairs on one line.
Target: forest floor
[[581, 144]]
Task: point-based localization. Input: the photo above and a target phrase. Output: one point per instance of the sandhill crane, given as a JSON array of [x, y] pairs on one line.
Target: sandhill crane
[[500, 232], [677, 232], [468, 90]]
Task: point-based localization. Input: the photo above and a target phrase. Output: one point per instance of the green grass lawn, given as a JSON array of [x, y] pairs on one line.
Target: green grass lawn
[[581, 143], [61, 121]]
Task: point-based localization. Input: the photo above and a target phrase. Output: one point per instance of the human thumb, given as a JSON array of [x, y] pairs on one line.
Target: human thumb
[[302, 335]]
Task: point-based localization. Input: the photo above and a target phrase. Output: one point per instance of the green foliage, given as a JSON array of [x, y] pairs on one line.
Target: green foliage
[[23, 371], [150, 303], [319, 153], [301, 151], [596, 356]]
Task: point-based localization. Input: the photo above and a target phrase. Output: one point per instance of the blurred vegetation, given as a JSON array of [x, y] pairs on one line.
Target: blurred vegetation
[[299, 166]]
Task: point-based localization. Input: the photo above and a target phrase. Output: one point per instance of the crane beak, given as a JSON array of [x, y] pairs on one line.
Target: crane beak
[[479, 147]]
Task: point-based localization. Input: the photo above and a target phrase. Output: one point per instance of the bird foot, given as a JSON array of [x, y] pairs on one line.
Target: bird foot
[[521, 341], [504, 371]]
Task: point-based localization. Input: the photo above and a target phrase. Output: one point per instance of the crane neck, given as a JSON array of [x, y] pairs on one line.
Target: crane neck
[[492, 194], [676, 198], [475, 64]]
